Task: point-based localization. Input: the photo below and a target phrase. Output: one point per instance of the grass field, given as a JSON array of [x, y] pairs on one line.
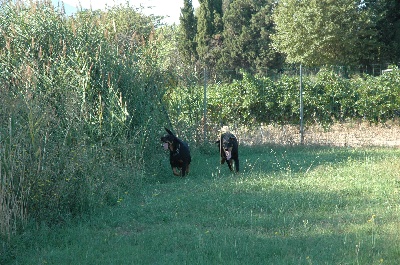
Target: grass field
[[295, 205]]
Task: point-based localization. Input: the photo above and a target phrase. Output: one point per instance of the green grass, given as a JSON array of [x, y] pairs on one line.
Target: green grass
[[301, 205]]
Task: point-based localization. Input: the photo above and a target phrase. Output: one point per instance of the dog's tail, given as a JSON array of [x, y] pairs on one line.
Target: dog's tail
[[168, 131]]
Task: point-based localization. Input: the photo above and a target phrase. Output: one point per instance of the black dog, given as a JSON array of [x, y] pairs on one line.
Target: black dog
[[179, 154], [229, 150]]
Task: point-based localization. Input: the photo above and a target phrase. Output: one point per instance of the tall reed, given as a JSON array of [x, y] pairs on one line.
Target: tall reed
[[80, 106], [14, 190]]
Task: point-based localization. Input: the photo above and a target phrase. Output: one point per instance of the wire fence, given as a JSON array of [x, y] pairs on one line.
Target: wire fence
[[343, 132], [212, 77]]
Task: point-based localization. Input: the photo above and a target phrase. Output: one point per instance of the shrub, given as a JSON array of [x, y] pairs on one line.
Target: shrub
[[328, 97], [379, 96]]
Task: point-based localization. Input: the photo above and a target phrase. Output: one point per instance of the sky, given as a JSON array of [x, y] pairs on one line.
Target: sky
[[170, 9]]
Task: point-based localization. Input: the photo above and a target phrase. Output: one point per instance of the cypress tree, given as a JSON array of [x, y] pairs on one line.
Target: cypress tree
[[247, 28], [188, 26], [209, 28]]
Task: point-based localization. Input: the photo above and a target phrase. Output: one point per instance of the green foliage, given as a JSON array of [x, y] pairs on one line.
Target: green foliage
[[386, 16], [328, 97], [247, 43], [209, 28], [323, 32], [188, 26], [261, 35], [379, 97], [84, 99], [80, 105]]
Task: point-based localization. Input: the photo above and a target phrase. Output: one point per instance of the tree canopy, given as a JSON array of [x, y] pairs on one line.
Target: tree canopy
[[264, 35], [248, 26], [320, 32]]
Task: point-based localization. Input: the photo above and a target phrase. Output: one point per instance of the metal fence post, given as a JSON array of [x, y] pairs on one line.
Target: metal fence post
[[205, 106], [301, 108]]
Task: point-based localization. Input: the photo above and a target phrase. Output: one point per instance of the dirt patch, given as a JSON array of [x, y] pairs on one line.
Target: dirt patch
[[353, 134]]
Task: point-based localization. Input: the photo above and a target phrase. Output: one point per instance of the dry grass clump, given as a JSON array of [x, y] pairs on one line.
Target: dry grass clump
[[352, 134]]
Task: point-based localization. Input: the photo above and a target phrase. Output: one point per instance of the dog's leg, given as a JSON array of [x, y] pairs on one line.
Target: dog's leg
[[229, 162], [185, 169], [237, 164], [222, 160], [176, 171]]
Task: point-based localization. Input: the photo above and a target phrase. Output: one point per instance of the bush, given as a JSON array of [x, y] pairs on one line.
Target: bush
[[327, 98], [379, 96]]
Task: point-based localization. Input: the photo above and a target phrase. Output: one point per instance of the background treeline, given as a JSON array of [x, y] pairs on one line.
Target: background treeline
[[263, 36], [84, 98]]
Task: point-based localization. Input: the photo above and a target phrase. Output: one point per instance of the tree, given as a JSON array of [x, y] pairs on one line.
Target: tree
[[321, 32], [188, 27], [209, 27], [248, 26], [387, 18]]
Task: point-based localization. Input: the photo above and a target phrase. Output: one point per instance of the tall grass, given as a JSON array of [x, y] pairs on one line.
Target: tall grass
[[79, 101], [14, 190]]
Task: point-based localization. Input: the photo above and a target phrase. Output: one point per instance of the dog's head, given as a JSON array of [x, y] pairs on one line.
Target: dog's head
[[168, 140], [226, 144]]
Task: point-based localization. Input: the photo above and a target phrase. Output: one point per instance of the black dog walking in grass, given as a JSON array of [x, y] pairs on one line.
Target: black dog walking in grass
[[229, 150], [179, 154]]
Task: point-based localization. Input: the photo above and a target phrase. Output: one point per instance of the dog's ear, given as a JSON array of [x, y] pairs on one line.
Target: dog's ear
[[169, 132]]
